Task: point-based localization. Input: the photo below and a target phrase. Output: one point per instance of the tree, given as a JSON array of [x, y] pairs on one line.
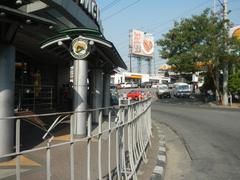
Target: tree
[[234, 82], [200, 39]]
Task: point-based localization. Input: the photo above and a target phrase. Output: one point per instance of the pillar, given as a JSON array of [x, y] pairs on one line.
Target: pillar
[[139, 60], [97, 91], [80, 96], [106, 92], [149, 66], [7, 81]]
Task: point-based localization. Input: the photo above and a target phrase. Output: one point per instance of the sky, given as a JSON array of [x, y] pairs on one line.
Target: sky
[[152, 16]]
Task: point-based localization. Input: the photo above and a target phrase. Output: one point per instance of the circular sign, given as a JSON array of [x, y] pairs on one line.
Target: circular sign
[[236, 33], [80, 48], [147, 46]]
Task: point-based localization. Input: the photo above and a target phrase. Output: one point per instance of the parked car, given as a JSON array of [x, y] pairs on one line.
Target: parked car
[[134, 85], [136, 94], [182, 90], [146, 85], [163, 91], [155, 85], [126, 85]]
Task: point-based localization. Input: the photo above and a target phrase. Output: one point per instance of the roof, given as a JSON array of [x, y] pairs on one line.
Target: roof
[[103, 48]]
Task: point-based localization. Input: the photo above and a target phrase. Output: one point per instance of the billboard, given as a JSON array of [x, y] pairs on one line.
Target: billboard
[[141, 44]]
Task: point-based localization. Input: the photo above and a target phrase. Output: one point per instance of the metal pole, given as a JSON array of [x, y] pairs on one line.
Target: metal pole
[[89, 146], [7, 80], [130, 63], [149, 65], [18, 168], [214, 7], [80, 96], [139, 64], [100, 145]]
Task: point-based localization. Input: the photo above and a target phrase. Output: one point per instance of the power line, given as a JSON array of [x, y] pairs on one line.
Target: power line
[[121, 10], [172, 19], [110, 5]]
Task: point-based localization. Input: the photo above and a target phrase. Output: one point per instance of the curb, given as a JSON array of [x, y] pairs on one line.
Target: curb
[[159, 170]]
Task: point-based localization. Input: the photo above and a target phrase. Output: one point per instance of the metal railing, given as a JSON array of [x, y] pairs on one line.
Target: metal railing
[[112, 149]]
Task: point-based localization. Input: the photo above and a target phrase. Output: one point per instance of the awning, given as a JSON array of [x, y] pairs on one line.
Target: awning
[[12, 19], [134, 77], [103, 49]]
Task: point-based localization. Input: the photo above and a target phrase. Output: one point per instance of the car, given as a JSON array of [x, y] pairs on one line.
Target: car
[[146, 85], [136, 94], [134, 85], [155, 85], [126, 85], [182, 90], [163, 91]]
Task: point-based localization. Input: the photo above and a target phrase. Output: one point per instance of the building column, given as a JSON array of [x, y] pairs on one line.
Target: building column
[[106, 92], [97, 91], [7, 82], [80, 96]]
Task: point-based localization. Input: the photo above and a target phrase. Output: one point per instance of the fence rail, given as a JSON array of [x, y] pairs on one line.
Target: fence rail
[[112, 149]]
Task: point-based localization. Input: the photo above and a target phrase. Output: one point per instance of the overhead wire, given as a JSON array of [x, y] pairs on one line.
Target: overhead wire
[[110, 5], [121, 10]]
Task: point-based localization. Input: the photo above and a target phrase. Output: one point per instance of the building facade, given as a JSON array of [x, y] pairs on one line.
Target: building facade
[[40, 41]]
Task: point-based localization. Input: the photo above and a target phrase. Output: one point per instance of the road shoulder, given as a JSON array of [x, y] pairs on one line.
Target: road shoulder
[[178, 166]]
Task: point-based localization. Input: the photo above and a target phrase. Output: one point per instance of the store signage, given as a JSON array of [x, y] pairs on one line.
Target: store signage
[[90, 6], [80, 48]]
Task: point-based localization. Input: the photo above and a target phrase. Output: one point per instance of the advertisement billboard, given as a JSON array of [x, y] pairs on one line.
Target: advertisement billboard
[[141, 44]]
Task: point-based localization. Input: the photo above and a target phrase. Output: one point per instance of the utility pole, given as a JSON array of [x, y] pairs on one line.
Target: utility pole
[[225, 63], [214, 7]]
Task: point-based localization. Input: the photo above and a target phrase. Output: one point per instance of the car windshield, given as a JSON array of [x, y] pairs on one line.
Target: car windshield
[[163, 87], [182, 87]]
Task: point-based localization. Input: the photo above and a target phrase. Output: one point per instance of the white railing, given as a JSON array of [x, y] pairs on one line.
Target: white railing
[[112, 149]]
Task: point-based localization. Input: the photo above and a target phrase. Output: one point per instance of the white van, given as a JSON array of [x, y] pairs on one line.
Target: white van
[[182, 90], [163, 91]]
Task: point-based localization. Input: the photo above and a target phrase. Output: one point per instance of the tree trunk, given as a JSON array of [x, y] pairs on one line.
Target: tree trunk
[[225, 84], [216, 84]]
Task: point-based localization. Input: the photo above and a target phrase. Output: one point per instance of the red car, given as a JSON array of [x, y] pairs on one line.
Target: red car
[[136, 94]]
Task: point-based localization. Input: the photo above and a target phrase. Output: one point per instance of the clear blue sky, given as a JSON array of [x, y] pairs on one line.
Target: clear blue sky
[[153, 16]]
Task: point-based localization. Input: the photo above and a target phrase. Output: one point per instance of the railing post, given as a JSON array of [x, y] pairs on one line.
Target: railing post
[[72, 147], [89, 130], [100, 145], [18, 168], [109, 145], [48, 162], [117, 147]]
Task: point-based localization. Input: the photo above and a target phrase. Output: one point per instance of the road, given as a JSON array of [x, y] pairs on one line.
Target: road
[[210, 137]]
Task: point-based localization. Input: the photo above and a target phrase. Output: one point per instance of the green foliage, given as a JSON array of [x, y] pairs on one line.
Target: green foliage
[[234, 82], [198, 39]]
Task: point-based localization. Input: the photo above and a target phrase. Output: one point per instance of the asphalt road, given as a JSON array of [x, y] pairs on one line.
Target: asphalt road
[[210, 138]]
